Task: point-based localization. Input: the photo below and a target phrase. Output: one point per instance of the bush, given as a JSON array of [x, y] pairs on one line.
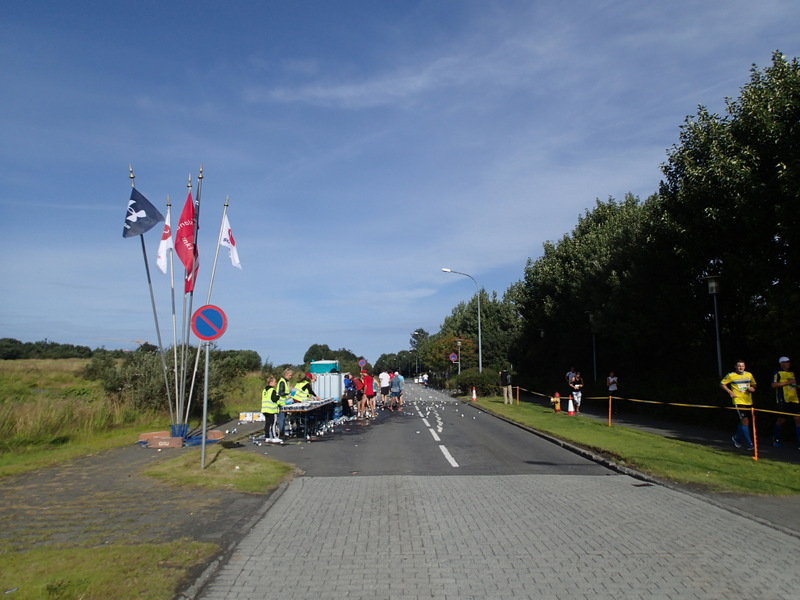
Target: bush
[[485, 384]]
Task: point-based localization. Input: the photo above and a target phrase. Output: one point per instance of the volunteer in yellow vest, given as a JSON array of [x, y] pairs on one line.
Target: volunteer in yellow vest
[[269, 406], [284, 389], [785, 386], [740, 385], [303, 392]]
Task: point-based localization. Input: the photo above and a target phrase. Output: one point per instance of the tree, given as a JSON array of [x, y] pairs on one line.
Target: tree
[[732, 191]]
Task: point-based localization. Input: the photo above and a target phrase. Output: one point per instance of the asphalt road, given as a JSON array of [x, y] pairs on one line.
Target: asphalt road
[[433, 436], [444, 501]]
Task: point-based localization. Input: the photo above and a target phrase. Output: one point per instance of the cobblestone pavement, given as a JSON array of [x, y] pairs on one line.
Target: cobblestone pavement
[[516, 536]]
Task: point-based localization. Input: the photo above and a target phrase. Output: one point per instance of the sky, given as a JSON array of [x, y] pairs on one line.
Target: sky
[[362, 147]]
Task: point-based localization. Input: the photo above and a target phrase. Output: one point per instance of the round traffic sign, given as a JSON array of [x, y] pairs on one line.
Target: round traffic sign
[[209, 322], [454, 357]]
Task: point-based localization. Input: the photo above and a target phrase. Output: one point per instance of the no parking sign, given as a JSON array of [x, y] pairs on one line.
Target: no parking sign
[[209, 322]]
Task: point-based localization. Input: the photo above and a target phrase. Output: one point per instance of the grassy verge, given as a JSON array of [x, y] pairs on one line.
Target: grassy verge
[[671, 460], [145, 571], [236, 471], [150, 571]]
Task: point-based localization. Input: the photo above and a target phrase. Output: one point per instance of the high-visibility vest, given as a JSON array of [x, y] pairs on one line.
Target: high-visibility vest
[[286, 391], [269, 401], [300, 392]]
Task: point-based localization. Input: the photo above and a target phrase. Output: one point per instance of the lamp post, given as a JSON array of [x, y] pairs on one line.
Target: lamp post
[[416, 347], [480, 352], [594, 351], [713, 289]]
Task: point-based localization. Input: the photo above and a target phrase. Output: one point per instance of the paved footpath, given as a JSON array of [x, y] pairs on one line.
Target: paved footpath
[[515, 536]]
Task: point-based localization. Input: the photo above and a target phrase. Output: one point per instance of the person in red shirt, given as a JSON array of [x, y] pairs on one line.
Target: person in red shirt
[[358, 383], [369, 394]]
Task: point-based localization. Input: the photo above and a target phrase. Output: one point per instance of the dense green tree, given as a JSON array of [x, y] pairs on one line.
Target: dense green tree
[[732, 193]]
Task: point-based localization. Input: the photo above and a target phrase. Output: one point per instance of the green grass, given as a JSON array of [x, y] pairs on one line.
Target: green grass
[[144, 571], [237, 471], [667, 459]]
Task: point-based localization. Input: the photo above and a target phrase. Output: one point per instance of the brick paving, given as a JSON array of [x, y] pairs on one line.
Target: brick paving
[[511, 536]]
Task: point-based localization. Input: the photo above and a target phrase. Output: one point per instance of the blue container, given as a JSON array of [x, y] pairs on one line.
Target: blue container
[[180, 430]]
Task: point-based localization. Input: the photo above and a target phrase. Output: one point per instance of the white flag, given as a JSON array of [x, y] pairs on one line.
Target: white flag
[[227, 240], [166, 244]]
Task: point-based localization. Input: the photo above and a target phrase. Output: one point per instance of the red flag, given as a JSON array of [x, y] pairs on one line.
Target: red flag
[[185, 246]]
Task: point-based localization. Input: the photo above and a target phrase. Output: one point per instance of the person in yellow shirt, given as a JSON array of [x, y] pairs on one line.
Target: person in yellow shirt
[[785, 386], [740, 385]]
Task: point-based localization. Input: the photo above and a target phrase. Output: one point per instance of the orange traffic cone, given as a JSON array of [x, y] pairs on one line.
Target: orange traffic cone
[[570, 407], [474, 397]]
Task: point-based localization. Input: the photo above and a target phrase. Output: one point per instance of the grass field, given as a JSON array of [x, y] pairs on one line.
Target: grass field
[[667, 459]]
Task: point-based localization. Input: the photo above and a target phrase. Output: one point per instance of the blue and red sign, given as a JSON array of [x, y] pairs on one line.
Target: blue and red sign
[[454, 357], [209, 322]]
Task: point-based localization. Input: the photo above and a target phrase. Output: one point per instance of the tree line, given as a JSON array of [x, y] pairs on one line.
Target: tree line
[[627, 289]]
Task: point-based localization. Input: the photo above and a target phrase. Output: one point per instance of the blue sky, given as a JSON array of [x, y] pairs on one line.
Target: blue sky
[[363, 146]]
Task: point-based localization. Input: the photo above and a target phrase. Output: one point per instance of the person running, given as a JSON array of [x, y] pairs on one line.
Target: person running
[[384, 380], [358, 383], [785, 386], [397, 392], [740, 385], [369, 394], [349, 396], [576, 383]]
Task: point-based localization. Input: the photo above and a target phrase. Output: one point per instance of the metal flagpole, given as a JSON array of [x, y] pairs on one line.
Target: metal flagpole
[[174, 323], [208, 298], [184, 333], [155, 313], [194, 283]]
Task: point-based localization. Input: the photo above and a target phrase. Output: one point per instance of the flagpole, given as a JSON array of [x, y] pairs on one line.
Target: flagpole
[[174, 323], [185, 328], [216, 255], [194, 284], [155, 312]]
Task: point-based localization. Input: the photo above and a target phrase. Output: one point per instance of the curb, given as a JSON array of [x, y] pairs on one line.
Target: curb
[[610, 464]]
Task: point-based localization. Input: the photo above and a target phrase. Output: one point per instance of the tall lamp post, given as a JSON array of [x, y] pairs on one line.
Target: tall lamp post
[[416, 347], [480, 351], [594, 350], [713, 289]]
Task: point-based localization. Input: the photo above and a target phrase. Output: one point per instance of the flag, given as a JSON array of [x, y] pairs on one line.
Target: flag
[[229, 242], [185, 246], [164, 246], [142, 216]]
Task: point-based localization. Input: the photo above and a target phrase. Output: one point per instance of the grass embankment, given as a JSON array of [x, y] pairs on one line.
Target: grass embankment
[[49, 415], [667, 459]]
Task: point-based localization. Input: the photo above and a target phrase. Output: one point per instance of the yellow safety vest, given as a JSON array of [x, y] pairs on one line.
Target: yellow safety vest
[[300, 392], [269, 402], [287, 391]]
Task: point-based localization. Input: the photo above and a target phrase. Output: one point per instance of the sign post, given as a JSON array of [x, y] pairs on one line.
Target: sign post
[[208, 323]]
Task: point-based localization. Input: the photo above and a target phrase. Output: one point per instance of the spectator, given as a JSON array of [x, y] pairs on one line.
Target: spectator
[[505, 383]]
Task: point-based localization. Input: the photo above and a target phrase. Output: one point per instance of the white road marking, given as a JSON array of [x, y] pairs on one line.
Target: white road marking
[[448, 456]]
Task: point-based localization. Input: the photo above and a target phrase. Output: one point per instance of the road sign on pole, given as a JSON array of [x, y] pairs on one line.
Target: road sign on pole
[[209, 322]]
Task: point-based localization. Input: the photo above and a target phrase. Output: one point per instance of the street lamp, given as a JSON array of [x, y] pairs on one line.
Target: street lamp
[[713, 289], [416, 347], [480, 352], [594, 350]]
